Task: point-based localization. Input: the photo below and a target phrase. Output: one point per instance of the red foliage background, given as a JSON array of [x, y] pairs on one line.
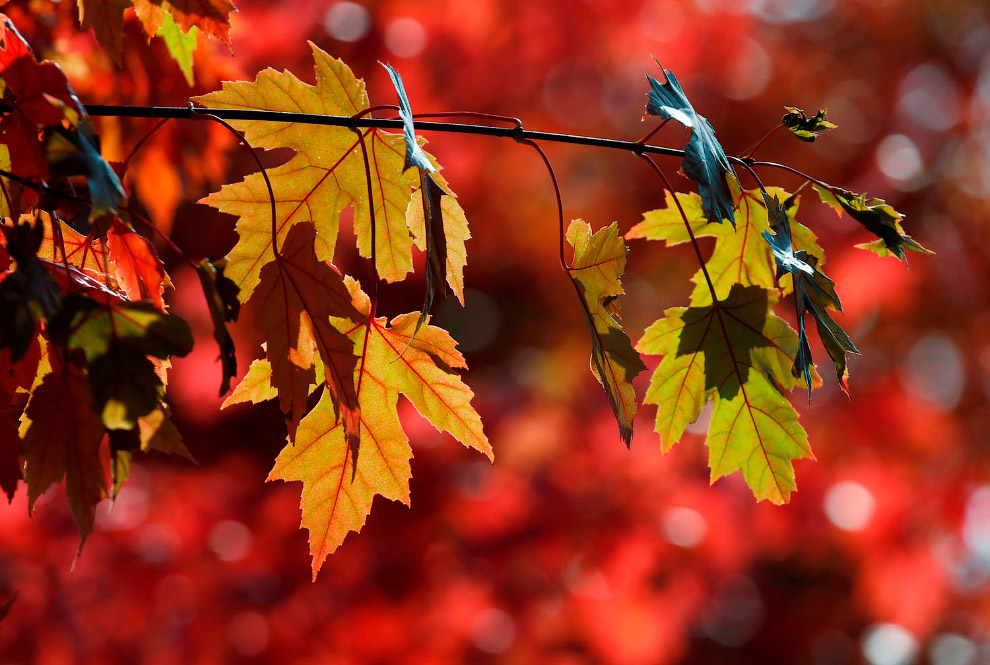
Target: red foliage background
[[569, 549]]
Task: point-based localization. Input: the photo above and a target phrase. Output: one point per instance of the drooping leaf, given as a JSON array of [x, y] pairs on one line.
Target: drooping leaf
[[739, 355], [436, 243], [704, 159], [414, 152], [336, 500], [599, 261], [29, 294], [450, 244], [180, 44], [67, 446], [106, 17], [805, 128], [292, 306], [878, 217], [116, 339], [326, 175], [221, 298], [813, 292]]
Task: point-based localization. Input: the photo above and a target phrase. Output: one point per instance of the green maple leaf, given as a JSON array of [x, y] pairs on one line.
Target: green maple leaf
[[740, 256], [737, 354], [704, 159], [599, 261], [116, 339], [878, 217], [805, 128]]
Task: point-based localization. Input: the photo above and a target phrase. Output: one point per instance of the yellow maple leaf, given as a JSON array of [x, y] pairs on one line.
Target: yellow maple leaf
[[324, 177], [335, 499]]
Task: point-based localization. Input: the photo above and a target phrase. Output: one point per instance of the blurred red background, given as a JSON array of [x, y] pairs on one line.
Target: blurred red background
[[570, 549]]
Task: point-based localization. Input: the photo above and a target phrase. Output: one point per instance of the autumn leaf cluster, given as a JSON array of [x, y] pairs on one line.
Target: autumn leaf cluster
[[87, 332]]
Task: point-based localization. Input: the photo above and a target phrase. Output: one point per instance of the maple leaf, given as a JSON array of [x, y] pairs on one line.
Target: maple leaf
[[154, 431], [53, 451], [450, 251], [116, 339], [221, 299], [414, 152], [737, 354], [324, 177], [255, 387], [704, 159], [29, 294], [430, 191], [106, 17], [28, 90], [740, 256], [599, 261], [805, 128], [138, 268], [180, 42], [334, 504], [813, 292], [292, 306], [878, 217]]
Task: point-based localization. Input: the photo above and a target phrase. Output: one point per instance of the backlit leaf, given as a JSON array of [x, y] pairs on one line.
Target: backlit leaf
[[335, 499], [599, 261], [326, 175], [739, 355], [53, 450], [813, 292], [805, 128], [878, 217], [292, 306]]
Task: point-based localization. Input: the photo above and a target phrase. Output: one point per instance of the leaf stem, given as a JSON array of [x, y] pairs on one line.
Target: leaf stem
[[199, 113], [749, 153], [687, 225], [560, 204], [140, 144], [371, 216]]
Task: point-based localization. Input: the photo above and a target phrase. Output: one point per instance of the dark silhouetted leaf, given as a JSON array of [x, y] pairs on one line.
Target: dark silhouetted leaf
[[221, 298], [813, 292], [704, 160], [803, 127], [879, 219]]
